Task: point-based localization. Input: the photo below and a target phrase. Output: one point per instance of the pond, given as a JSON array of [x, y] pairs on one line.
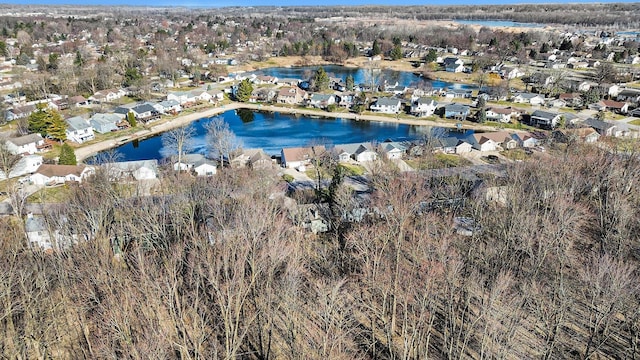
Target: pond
[[274, 131], [361, 76]]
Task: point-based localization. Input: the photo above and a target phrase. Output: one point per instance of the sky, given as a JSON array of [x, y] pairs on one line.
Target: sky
[[220, 3]]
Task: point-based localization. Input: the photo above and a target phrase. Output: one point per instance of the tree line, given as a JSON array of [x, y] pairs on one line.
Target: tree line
[[215, 268]]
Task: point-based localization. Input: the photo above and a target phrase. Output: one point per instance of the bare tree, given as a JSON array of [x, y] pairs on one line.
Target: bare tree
[[8, 160], [221, 140], [178, 141]]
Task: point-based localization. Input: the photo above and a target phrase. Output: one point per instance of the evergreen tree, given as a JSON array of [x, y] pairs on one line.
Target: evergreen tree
[[131, 118], [396, 53], [67, 155], [349, 83], [482, 116], [245, 88], [431, 56], [321, 80], [375, 49], [544, 48], [79, 61], [47, 122]]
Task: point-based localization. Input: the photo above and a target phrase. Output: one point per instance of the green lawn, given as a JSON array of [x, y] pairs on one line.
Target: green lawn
[[352, 169], [514, 154], [53, 194], [438, 161], [635, 122]]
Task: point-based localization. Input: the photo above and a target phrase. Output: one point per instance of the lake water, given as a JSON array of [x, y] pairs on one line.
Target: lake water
[[499, 23], [360, 76], [274, 131]]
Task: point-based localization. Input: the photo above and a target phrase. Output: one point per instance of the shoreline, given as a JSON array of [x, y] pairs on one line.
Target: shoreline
[[84, 152]]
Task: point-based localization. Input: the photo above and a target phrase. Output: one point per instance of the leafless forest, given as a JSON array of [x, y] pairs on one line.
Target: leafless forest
[[214, 268]]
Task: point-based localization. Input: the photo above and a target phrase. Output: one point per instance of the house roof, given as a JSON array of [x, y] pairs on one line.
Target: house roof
[[27, 139], [598, 124], [449, 61], [35, 224], [50, 170], [448, 142], [105, 119], [77, 123], [142, 108], [544, 114], [503, 111], [528, 96], [385, 101], [289, 91], [76, 99], [302, 153], [133, 165], [456, 108], [613, 104], [426, 101], [169, 103]]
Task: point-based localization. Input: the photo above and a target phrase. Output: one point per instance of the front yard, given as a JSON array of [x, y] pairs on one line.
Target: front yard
[[438, 161]]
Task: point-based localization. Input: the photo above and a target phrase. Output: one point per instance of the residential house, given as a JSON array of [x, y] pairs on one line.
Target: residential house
[[201, 96], [503, 115], [262, 95], [452, 145], [458, 94], [502, 139], [456, 111], [170, 107], [197, 163], [108, 95], [260, 160], [524, 139], [265, 79], [545, 118], [603, 128], [299, 158], [629, 95], [392, 150], [136, 170], [145, 113], [27, 164], [511, 72], [528, 98], [19, 112], [291, 95], [423, 107], [77, 101], [571, 99], [386, 105], [361, 152], [617, 106], [587, 135], [27, 144], [453, 64], [104, 123], [321, 101], [50, 174], [37, 232], [185, 98], [482, 143], [79, 130]]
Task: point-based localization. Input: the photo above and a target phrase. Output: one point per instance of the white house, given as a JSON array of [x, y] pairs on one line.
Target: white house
[[27, 144], [170, 106], [386, 105], [392, 150], [528, 98], [108, 95], [182, 97], [104, 123], [196, 163], [511, 72], [453, 64], [79, 130], [37, 232], [298, 158], [545, 118], [138, 170], [423, 107], [482, 143], [361, 152], [499, 114], [26, 165], [49, 174]]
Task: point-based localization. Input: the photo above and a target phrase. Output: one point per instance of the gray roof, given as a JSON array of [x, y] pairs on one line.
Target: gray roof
[[529, 96], [449, 142], [27, 139], [169, 103], [133, 165], [143, 108], [34, 224], [77, 123], [456, 108], [598, 124], [385, 101], [450, 61], [353, 148], [426, 100], [100, 118], [543, 114]]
